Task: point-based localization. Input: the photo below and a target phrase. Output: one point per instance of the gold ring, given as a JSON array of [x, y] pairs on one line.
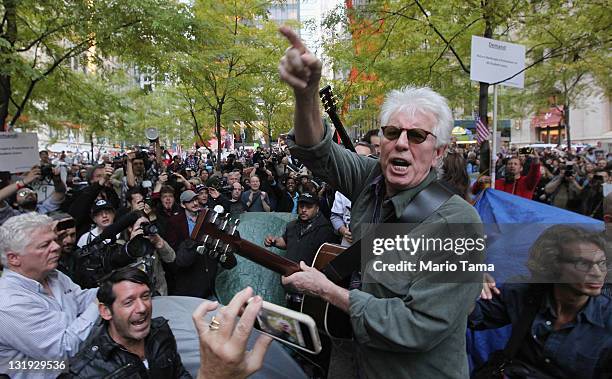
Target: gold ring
[[214, 324]]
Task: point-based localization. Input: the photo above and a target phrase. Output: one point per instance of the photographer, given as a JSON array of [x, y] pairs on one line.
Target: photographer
[[27, 198], [44, 186], [592, 195], [64, 228], [135, 200], [135, 173], [149, 243], [564, 190]]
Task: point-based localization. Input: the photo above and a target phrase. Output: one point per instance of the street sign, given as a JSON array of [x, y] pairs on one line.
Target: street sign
[[493, 61], [18, 151]]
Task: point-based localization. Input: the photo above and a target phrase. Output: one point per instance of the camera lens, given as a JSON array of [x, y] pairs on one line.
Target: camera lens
[[149, 229]]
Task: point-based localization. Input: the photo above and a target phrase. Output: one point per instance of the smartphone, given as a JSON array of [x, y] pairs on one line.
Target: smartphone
[[289, 327]]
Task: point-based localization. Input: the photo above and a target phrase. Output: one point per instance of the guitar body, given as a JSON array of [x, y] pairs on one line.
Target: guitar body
[[331, 320]]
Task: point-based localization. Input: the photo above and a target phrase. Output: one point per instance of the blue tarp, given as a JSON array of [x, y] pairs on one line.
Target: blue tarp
[[512, 224]]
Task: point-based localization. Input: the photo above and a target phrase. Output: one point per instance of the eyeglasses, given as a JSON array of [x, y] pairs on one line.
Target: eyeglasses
[[24, 193], [415, 135], [586, 266]]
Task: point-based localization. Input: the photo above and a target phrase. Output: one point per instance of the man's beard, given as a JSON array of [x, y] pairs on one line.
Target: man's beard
[[29, 204], [68, 249]]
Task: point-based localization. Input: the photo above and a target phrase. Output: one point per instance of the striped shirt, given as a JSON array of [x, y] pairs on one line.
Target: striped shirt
[[35, 326]]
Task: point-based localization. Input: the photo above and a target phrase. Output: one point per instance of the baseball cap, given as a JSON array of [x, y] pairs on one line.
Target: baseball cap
[[308, 198], [100, 205], [187, 196], [200, 187]]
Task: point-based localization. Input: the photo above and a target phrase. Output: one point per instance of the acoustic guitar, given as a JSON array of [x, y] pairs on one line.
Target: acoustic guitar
[[221, 240]]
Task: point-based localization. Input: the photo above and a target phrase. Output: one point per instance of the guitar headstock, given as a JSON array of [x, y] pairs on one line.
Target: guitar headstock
[[328, 99], [219, 237]]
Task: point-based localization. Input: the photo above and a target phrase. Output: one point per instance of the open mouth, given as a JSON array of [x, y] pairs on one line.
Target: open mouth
[[399, 165], [140, 322], [400, 162]]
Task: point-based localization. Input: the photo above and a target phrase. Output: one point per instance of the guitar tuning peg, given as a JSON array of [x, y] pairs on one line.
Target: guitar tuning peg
[[213, 217]]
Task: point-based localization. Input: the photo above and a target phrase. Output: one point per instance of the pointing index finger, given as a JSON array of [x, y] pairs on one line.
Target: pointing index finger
[[293, 38]]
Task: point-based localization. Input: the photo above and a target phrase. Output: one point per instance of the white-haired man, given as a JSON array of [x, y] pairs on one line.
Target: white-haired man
[[44, 315], [408, 324]]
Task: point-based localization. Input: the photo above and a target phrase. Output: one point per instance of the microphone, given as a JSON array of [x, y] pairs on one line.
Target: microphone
[[117, 227]]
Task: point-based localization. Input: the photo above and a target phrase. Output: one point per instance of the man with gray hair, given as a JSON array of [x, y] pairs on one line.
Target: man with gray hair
[[409, 324], [44, 315]]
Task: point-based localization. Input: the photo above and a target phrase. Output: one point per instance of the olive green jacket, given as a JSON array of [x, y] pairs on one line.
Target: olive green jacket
[[406, 324]]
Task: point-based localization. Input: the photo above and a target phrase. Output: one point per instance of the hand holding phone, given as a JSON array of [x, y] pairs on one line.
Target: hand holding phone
[[289, 327], [223, 342]]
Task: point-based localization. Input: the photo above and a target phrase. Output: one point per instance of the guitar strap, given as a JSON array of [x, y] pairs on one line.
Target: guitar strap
[[424, 204]]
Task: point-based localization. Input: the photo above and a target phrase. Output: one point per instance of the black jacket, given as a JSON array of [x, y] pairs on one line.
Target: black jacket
[[104, 358], [191, 273], [304, 238]]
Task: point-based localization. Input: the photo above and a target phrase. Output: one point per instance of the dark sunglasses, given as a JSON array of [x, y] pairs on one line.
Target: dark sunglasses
[[415, 135]]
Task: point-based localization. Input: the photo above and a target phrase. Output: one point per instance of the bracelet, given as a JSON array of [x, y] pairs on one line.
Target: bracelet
[[20, 184]]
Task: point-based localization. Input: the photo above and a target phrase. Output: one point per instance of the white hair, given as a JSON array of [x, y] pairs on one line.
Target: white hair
[[412, 100], [16, 232]]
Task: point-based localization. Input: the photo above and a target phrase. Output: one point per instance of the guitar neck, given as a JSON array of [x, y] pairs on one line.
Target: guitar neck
[[346, 140], [269, 260]]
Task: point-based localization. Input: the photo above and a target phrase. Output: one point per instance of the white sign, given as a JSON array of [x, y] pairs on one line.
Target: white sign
[[18, 151], [494, 61]]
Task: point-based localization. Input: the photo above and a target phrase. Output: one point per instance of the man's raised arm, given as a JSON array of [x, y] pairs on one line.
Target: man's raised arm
[[302, 71]]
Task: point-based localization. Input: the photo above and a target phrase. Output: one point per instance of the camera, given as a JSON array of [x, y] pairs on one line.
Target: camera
[[46, 171], [141, 155], [149, 229], [526, 150], [118, 162]]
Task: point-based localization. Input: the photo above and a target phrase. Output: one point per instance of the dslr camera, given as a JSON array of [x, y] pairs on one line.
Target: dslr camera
[[149, 229], [46, 171]]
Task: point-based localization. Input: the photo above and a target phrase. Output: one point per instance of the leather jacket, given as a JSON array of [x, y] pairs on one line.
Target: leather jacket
[[104, 358]]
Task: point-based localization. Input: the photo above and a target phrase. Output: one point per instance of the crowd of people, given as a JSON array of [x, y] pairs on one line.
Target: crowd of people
[[80, 243]]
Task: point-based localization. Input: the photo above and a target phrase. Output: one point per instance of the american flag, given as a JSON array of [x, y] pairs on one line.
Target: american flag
[[482, 131]]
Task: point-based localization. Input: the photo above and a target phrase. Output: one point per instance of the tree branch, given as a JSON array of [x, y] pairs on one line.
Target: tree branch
[[451, 48], [75, 50], [448, 44], [44, 35]]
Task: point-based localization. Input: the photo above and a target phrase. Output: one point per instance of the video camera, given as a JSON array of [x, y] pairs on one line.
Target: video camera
[[99, 258]]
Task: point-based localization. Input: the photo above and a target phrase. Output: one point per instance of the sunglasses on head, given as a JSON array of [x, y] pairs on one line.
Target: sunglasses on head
[[24, 193], [415, 135]]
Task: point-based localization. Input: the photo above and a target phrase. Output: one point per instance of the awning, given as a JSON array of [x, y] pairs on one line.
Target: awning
[[547, 118]]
